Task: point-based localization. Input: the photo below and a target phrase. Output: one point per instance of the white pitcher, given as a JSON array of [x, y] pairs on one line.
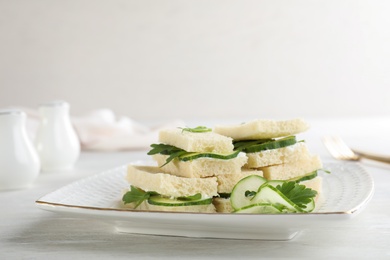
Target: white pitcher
[[19, 162], [57, 143]]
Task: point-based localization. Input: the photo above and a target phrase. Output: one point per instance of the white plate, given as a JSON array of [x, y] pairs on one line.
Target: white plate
[[345, 191]]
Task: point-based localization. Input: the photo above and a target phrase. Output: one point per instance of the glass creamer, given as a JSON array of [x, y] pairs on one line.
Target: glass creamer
[[56, 141], [19, 162]]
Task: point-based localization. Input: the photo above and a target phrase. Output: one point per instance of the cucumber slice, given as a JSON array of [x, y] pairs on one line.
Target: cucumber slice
[[168, 202], [275, 144], [197, 196], [192, 156], [243, 144], [269, 194], [306, 177], [260, 208], [238, 198], [310, 206], [274, 183]]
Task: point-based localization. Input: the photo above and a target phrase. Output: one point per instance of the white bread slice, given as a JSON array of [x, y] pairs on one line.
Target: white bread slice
[[202, 167], [294, 169], [223, 205], [277, 156], [150, 178], [262, 129], [226, 182], [314, 184], [210, 208], [196, 142]]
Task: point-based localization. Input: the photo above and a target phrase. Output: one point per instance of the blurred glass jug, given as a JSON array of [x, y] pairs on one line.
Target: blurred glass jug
[[19, 162], [57, 143]]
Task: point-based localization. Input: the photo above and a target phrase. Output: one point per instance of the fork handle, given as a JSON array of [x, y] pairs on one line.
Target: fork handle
[[374, 157]]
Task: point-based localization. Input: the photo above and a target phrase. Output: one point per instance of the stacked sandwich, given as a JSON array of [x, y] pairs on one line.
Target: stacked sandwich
[[272, 147], [186, 178], [198, 168]]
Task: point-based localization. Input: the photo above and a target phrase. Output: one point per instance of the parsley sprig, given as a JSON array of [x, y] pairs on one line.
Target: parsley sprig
[[166, 149], [299, 194], [137, 195]]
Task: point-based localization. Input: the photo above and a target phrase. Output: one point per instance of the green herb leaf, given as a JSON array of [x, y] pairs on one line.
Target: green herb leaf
[[163, 149], [198, 129], [297, 193], [174, 155], [137, 195]]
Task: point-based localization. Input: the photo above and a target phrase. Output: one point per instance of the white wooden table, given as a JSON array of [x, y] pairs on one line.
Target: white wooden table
[[27, 232]]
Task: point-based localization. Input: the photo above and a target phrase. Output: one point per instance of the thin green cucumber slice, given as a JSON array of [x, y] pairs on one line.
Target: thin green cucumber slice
[[310, 206], [260, 208], [275, 144], [274, 183], [269, 194], [306, 177], [192, 156], [197, 196], [251, 183], [168, 202], [243, 144]]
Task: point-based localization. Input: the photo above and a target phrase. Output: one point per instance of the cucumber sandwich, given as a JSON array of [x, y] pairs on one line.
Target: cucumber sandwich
[[267, 142], [156, 191], [196, 153], [272, 148]]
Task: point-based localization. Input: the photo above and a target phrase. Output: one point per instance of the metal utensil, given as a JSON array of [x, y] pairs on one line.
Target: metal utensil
[[341, 151]]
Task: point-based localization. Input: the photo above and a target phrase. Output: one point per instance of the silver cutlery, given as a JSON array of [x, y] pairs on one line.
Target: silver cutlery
[[341, 151]]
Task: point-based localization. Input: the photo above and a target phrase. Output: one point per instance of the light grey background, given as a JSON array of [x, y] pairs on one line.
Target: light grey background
[[154, 59]]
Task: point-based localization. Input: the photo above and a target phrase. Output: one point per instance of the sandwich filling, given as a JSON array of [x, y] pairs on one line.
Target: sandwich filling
[[254, 146], [184, 156]]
